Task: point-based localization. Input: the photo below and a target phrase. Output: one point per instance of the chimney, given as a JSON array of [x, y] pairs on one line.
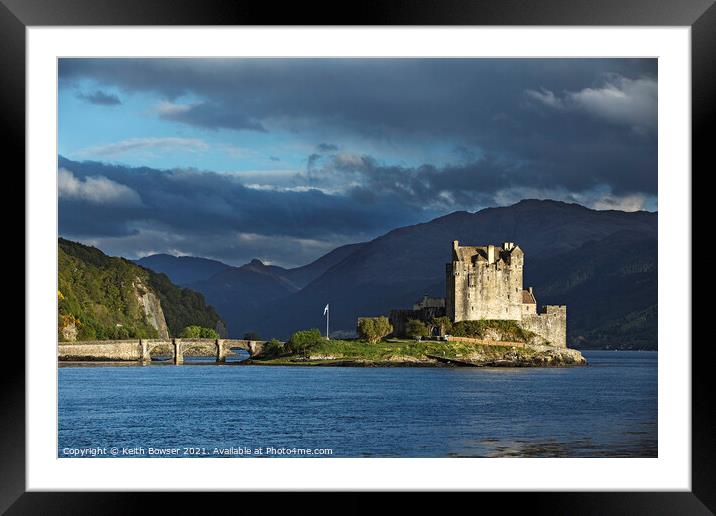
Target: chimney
[[490, 254], [530, 289], [455, 245]]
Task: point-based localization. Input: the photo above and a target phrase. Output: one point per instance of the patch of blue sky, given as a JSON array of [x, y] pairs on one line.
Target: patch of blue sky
[[133, 133]]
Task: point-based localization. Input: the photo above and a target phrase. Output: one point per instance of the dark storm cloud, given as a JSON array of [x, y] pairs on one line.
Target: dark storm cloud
[[100, 98], [479, 182], [210, 214], [211, 115], [575, 122], [134, 211]]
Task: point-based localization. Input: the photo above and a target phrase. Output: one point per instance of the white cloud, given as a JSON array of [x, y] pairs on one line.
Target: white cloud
[[95, 189], [170, 108], [140, 144], [349, 160], [546, 97], [633, 202], [620, 100]]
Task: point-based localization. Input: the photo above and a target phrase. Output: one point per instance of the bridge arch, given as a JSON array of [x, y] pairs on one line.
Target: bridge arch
[[219, 348]]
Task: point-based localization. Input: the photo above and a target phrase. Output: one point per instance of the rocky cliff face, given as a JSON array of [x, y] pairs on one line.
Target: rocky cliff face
[[152, 308], [68, 328], [529, 356]]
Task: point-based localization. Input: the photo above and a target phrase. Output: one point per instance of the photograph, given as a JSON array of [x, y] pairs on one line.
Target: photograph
[[357, 257], [404, 247]]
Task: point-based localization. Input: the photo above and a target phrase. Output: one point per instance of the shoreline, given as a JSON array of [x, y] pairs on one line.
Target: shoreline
[[470, 356], [315, 363]]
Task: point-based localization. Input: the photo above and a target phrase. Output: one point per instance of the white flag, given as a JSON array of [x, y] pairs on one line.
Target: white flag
[[325, 310]]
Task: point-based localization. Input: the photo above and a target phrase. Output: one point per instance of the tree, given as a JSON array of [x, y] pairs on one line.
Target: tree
[[252, 335], [209, 333], [443, 324], [273, 348], [198, 332], [302, 341], [191, 332], [416, 329], [373, 329]]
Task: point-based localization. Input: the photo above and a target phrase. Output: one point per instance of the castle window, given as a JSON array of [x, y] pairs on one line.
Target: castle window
[[471, 280]]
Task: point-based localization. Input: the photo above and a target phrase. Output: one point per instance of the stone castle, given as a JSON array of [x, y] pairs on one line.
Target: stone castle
[[485, 282]]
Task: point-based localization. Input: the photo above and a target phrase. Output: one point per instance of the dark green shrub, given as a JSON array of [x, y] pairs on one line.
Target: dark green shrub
[[416, 329], [509, 330], [443, 324], [373, 329], [252, 335], [302, 341], [273, 348]]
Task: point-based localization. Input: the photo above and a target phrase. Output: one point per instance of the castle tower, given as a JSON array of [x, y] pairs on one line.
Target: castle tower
[[484, 282]]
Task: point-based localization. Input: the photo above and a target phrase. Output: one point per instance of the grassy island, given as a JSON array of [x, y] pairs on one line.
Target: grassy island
[[308, 348]]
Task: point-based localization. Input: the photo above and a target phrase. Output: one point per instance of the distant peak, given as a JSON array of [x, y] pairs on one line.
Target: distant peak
[[532, 202], [541, 203], [256, 263], [160, 255]]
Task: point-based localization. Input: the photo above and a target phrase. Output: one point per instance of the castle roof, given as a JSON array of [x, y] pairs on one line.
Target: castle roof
[[528, 298]]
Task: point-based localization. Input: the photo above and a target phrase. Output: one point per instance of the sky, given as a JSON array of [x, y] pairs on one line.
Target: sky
[[285, 159]]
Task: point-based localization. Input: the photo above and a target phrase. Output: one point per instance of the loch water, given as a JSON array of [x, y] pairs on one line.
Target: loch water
[[606, 409]]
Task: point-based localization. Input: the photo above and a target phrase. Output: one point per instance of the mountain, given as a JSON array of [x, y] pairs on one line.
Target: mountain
[[237, 291], [610, 289], [103, 297], [302, 276], [602, 264], [182, 270]]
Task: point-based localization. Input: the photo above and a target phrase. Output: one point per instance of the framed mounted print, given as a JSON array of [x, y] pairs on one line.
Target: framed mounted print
[[445, 248]]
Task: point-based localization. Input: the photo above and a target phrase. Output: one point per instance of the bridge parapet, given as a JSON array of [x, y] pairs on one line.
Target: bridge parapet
[[141, 349]]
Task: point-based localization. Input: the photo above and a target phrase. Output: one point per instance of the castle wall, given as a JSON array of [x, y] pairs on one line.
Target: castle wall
[[550, 324], [528, 309], [399, 318]]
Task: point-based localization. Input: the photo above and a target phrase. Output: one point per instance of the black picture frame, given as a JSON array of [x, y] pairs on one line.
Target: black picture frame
[[700, 15]]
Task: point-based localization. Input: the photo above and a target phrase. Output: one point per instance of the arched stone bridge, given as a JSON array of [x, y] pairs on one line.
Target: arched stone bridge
[[140, 350]]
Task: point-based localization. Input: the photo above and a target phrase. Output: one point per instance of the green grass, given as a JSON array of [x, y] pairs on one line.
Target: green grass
[[390, 350]]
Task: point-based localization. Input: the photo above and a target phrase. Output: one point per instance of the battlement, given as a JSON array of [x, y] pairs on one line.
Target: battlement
[[554, 309], [488, 254], [429, 302]]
